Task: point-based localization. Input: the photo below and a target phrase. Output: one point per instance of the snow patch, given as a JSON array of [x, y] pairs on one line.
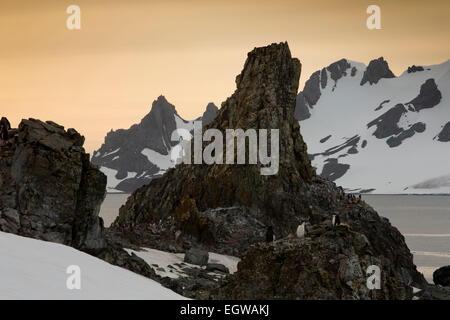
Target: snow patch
[[35, 269], [163, 162], [165, 259], [110, 153], [112, 181]]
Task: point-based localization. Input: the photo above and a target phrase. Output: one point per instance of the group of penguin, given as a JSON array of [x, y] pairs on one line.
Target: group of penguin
[[351, 198], [301, 230], [335, 219]]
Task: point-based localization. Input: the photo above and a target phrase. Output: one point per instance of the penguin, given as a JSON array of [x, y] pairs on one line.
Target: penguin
[[270, 236], [335, 220], [177, 235], [301, 231]]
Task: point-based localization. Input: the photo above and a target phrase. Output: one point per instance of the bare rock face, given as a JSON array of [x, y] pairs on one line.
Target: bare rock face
[[48, 188], [312, 91], [185, 197], [429, 96], [329, 263], [376, 70], [444, 135], [441, 276], [209, 114]]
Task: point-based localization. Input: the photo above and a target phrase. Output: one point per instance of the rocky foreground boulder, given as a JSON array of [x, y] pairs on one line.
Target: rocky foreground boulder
[[329, 263], [228, 208], [442, 276], [50, 191]]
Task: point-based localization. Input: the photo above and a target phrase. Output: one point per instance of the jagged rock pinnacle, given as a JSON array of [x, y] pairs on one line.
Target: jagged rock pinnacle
[[265, 98]]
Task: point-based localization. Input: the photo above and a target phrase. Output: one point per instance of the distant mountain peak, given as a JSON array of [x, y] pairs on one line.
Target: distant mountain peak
[[376, 70], [132, 157], [162, 103], [162, 98], [209, 114]]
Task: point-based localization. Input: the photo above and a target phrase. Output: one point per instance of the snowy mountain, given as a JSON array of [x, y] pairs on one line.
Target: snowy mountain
[[132, 157], [371, 131], [35, 269]]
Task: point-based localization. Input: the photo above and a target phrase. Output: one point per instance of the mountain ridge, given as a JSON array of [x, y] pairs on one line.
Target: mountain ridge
[[374, 131]]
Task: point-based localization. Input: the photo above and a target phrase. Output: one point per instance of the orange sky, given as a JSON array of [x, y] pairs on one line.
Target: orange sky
[[107, 74]]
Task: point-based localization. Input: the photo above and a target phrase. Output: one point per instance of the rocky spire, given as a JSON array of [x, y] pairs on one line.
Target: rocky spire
[[265, 98]]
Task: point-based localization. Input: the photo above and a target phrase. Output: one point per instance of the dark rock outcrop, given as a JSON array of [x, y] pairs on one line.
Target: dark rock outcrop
[[333, 170], [376, 70], [209, 114], [338, 69], [442, 276], [415, 68], [350, 144], [196, 256], [444, 135], [387, 123], [428, 97], [312, 90], [364, 144], [397, 140], [387, 126], [301, 111], [5, 126], [213, 267], [310, 95], [329, 263], [325, 139], [381, 105], [433, 293], [49, 189]]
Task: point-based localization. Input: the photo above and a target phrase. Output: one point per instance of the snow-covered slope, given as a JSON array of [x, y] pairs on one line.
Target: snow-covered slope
[[368, 130], [131, 158], [34, 269]]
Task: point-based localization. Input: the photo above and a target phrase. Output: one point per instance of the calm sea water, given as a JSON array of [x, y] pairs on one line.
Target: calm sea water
[[423, 220], [110, 207], [425, 223]]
